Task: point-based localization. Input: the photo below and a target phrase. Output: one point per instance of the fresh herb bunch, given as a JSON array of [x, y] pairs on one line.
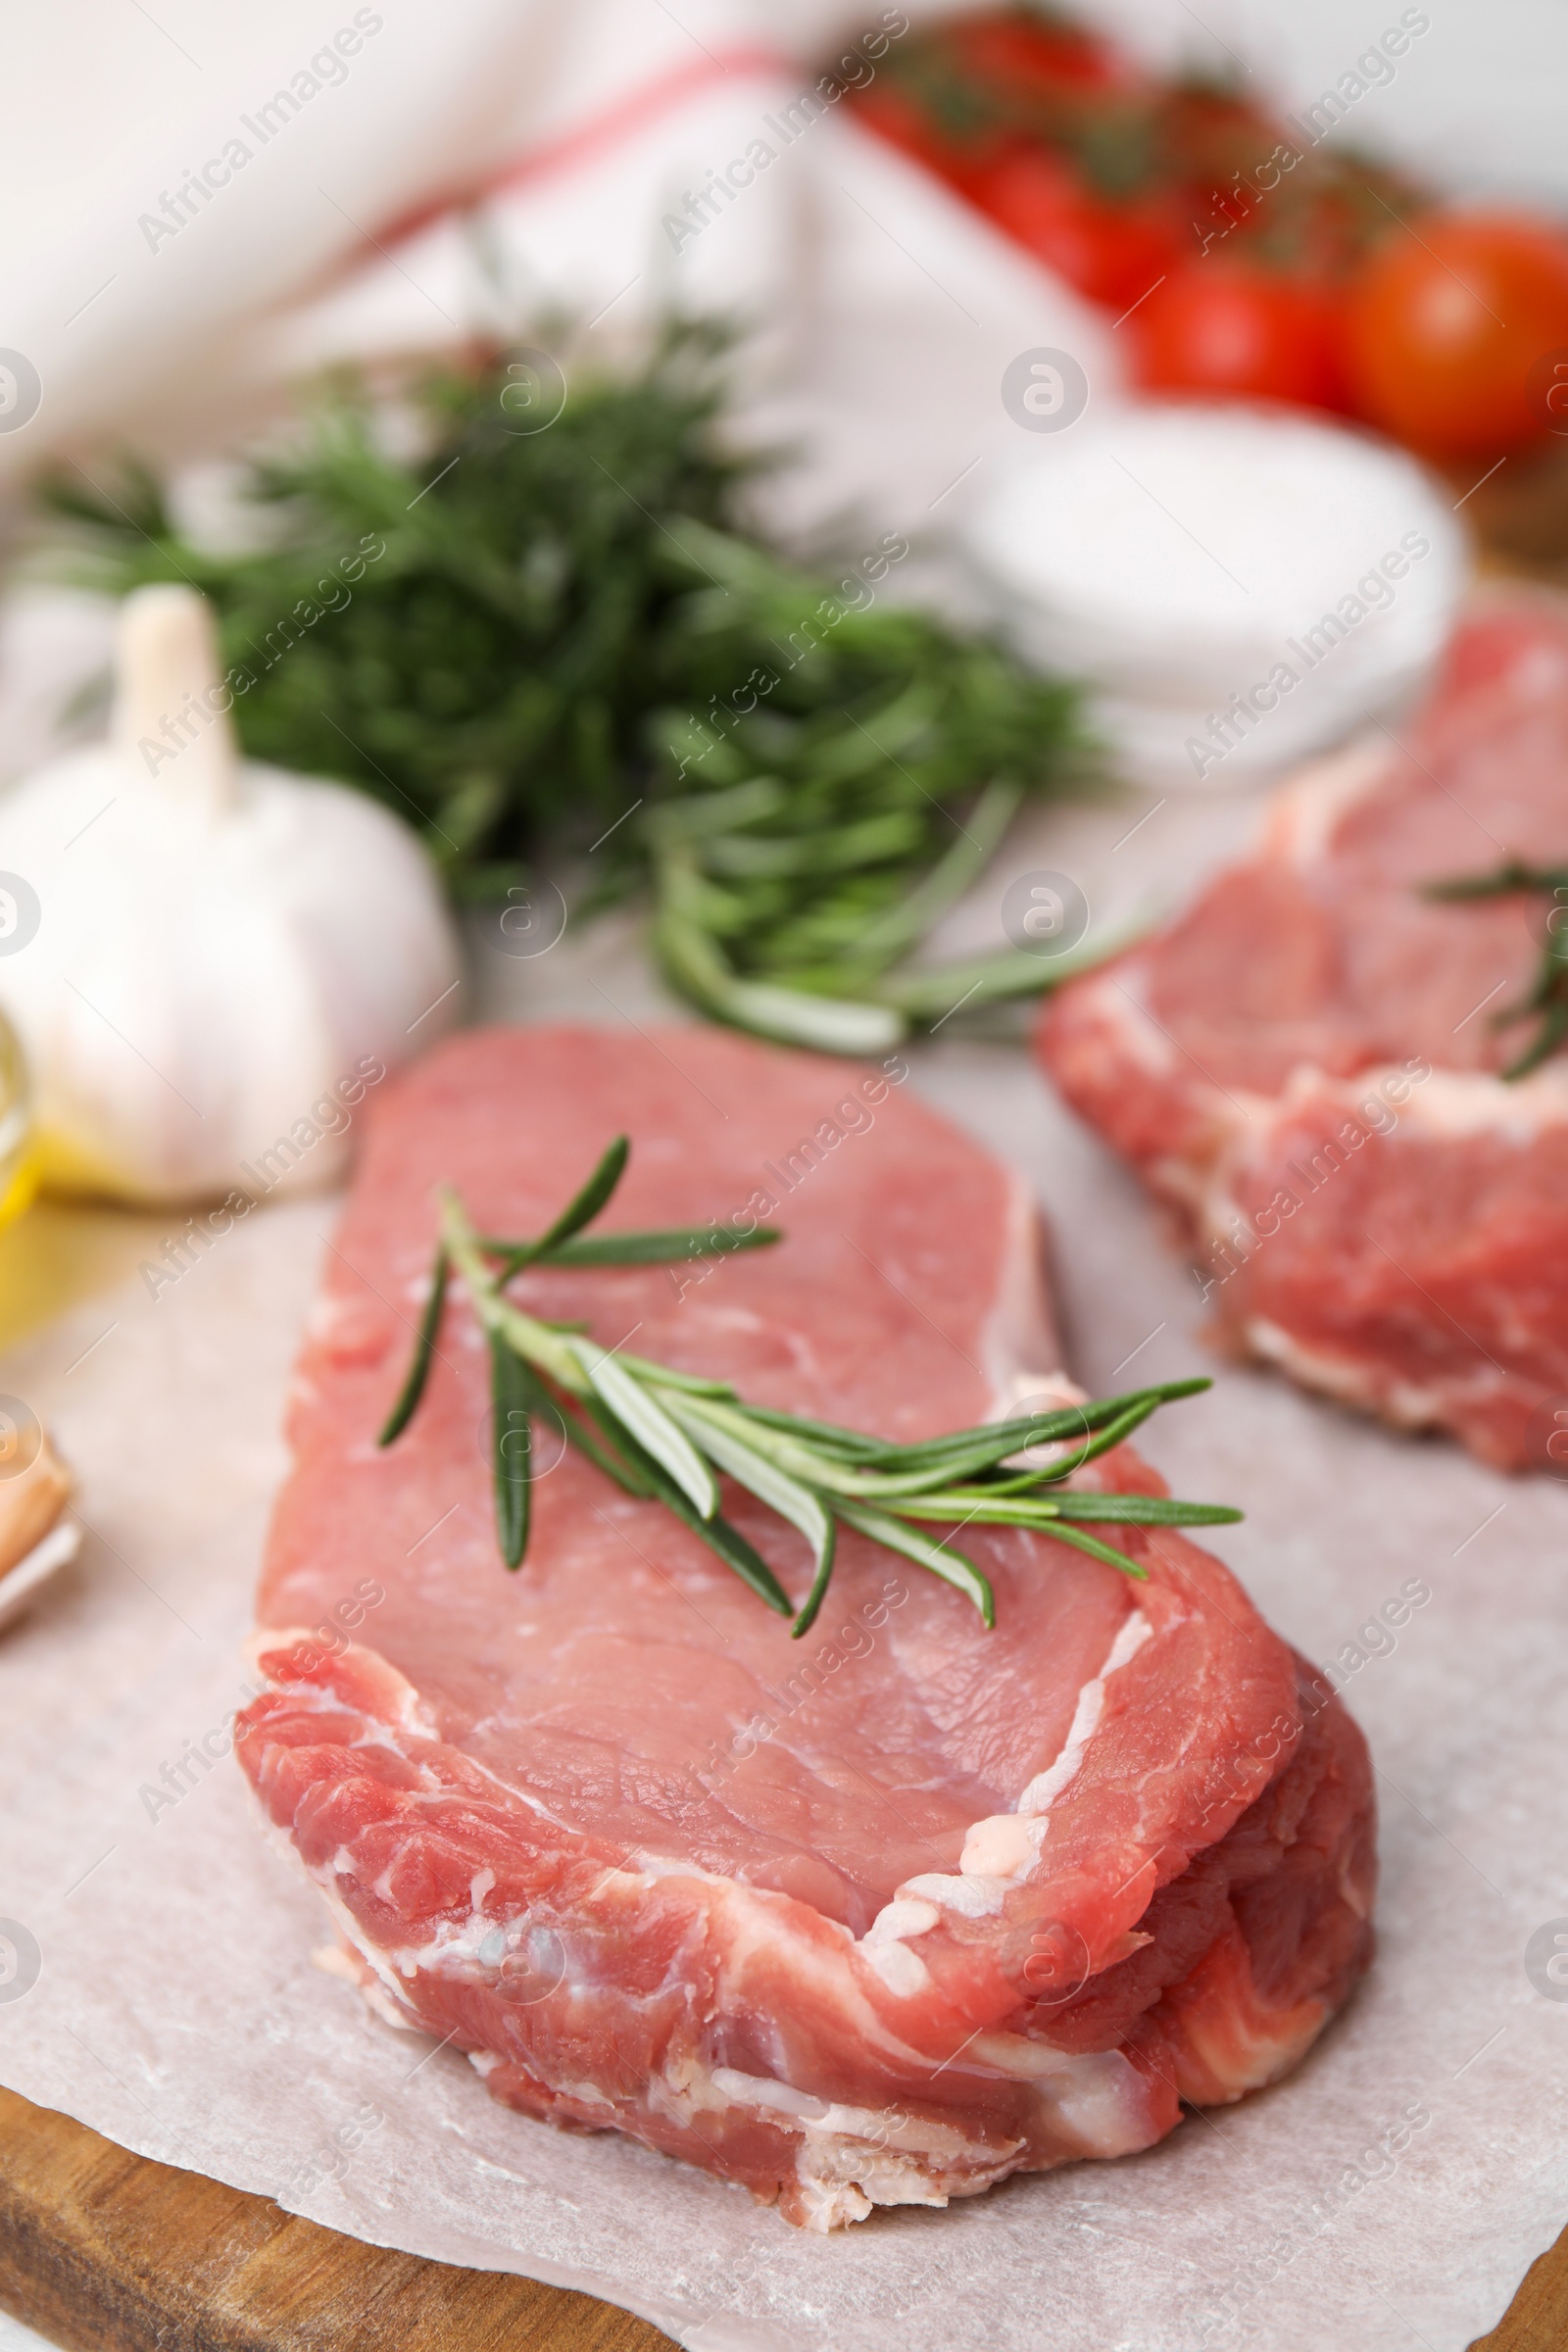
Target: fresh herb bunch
[[835, 816], [660, 1434], [489, 674], [569, 630], [1547, 1000]]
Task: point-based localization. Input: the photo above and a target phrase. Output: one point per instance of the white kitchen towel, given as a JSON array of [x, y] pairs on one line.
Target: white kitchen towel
[[256, 199]]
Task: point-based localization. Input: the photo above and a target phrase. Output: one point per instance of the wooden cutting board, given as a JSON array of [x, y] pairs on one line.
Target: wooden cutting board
[[105, 2252]]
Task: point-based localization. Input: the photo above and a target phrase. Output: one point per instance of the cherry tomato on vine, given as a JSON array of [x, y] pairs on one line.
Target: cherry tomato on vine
[[907, 124], [1452, 326], [1238, 331], [1111, 252], [1037, 59]]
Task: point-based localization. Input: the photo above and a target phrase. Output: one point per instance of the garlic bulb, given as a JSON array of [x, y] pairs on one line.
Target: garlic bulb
[[208, 961]]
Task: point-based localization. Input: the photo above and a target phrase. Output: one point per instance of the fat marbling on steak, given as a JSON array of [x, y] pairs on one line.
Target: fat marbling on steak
[[1308, 1069], [875, 1918]]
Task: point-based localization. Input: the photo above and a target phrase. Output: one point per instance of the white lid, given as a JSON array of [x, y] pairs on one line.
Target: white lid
[[1177, 554]]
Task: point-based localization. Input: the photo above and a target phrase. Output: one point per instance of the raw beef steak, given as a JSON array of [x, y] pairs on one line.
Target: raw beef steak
[[876, 1918], [1306, 1066]]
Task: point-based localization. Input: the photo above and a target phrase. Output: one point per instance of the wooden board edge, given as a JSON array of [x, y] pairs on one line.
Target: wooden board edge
[[104, 2251]]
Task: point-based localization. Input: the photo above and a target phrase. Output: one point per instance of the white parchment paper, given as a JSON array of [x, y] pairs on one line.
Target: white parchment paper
[[1390, 2194]]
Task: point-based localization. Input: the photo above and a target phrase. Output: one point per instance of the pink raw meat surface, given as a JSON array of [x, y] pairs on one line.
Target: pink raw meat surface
[[1306, 1066], [875, 1918]]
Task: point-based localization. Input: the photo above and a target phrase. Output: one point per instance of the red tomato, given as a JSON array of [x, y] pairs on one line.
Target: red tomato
[[1236, 329], [1111, 252], [1451, 330]]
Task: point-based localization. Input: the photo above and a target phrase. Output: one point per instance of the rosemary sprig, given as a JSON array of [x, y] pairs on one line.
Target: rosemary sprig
[[661, 1434], [521, 641], [1547, 1000]]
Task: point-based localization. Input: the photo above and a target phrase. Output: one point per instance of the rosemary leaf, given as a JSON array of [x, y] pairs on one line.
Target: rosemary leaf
[[1005, 1507], [848, 1445], [515, 1394], [966, 858], [735, 1552], [1063, 1426], [612, 1455], [1097, 1550], [976, 1450], [698, 967], [724, 1541], [952, 1566], [762, 1478], [419, 1371], [1112, 1434], [1146, 1510], [926, 992], [690, 1384], [1513, 875], [677, 1243], [1547, 999], [813, 1600], [649, 1423], [1550, 1035], [585, 1205]]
